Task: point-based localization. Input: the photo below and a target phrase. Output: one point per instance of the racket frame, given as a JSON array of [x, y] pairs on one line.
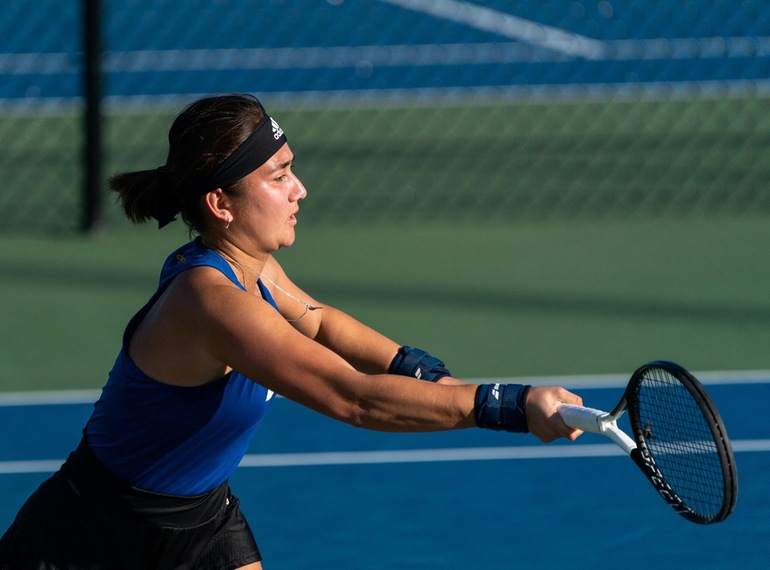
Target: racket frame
[[605, 423], [645, 459]]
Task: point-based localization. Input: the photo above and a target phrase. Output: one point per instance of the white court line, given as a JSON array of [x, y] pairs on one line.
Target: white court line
[[588, 381], [507, 26], [29, 467], [330, 57], [579, 382], [333, 458], [456, 454], [49, 397], [425, 455]]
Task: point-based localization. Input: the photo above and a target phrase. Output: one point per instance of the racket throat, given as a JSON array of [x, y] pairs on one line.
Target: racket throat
[[609, 427]]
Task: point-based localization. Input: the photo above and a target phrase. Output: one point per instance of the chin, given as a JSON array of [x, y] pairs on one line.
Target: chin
[[288, 241]]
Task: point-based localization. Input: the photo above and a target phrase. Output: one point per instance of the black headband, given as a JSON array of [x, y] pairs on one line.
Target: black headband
[[255, 151], [266, 139]]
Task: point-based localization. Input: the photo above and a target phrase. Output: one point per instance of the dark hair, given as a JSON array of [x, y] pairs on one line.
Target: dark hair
[[202, 136]]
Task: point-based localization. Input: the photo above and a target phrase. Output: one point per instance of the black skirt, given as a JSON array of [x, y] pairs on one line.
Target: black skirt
[[83, 517]]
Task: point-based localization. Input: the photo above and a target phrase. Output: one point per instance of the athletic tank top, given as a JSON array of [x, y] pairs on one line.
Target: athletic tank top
[[170, 439]]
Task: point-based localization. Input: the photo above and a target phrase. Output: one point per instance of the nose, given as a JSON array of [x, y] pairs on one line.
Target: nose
[[301, 192]]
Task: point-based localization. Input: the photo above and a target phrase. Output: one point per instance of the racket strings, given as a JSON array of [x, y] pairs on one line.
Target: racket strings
[[681, 442]]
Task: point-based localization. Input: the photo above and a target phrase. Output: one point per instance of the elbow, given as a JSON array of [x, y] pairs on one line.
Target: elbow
[[351, 404], [353, 414], [360, 414], [354, 403]]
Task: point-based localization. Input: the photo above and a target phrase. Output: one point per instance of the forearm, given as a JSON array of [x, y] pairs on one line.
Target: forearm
[[397, 404], [371, 352], [391, 402], [364, 348]]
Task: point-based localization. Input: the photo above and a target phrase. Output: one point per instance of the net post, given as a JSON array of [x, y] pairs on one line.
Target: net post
[[92, 151]]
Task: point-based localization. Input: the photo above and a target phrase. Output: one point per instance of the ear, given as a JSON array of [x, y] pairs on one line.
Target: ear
[[219, 204]]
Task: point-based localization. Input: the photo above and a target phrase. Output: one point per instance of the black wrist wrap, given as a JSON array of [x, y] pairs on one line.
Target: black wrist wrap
[[418, 364], [502, 407]]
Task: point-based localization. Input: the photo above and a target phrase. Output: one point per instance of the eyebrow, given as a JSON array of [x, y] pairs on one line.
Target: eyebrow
[[284, 164]]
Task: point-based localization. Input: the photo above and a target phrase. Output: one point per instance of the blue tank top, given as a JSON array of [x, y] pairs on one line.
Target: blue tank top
[[170, 439]]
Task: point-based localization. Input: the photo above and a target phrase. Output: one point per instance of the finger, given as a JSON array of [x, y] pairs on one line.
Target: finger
[[574, 434], [564, 430], [570, 398]]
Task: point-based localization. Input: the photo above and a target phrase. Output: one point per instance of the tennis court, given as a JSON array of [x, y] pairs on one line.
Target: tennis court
[[480, 274], [305, 48], [322, 494], [318, 491]]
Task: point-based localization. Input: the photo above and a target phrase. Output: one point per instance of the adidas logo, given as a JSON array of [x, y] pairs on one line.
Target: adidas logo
[[277, 130]]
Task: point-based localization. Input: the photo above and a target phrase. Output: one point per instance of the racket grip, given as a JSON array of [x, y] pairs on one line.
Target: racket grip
[[586, 419]]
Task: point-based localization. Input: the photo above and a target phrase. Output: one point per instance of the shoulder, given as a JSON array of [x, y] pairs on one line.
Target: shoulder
[[201, 286], [191, 255]]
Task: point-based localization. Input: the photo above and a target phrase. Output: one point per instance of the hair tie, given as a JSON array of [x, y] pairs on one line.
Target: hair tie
[[167, 212]]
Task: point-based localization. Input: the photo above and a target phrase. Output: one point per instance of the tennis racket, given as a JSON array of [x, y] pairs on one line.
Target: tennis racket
[[679, 441]]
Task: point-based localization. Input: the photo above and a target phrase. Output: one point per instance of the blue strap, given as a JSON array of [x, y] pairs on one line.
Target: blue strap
[[418, 364], [502, 407]]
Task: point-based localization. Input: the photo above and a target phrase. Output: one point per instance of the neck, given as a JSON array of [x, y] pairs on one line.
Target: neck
[[249, 268], [256, 273]]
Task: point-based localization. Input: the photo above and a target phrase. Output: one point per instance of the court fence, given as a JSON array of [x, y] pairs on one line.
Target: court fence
[[398, 110]]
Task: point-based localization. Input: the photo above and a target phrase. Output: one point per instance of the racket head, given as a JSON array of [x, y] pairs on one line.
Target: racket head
[[682, 444]]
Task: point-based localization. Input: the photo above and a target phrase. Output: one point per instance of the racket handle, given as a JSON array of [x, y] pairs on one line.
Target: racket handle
[[596, 421], [586, 419]]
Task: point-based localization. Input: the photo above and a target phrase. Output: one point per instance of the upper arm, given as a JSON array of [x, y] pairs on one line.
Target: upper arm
[[204, 325], [246, 333]]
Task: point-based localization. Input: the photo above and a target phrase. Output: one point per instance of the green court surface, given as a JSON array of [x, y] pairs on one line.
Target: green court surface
[[497, 299]]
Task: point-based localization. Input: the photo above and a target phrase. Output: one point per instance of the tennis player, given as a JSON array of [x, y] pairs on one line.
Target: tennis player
[[200, 363]]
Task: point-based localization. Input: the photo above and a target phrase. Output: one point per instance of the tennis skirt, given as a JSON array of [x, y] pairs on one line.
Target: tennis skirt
[[83, 517]]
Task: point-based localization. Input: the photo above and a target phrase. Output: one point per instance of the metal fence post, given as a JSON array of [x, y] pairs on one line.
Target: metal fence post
[[92, 151]]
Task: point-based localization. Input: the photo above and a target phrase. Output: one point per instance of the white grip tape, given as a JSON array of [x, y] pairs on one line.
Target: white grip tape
[[586, 419], [596, 421]]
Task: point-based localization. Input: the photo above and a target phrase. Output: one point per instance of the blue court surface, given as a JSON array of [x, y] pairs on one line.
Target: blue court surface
[[158, 48], [322, 494]]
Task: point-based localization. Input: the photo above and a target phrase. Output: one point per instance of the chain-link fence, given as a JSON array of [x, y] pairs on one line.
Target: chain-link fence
[[411, 109]]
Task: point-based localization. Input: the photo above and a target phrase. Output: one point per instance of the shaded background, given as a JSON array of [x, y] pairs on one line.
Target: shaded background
[[522, 188], [549, 188]]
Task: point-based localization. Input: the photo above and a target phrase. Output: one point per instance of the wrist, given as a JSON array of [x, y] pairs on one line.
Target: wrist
[[502, 407], [417, 364]]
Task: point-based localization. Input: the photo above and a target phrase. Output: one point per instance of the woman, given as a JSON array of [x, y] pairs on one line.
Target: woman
[[148, 485]]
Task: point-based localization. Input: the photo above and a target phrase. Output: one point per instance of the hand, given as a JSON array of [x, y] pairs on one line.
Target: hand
[[543, 419]]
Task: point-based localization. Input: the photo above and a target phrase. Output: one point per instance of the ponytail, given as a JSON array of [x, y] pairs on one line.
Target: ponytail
[[147, 194], [201, 139]]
